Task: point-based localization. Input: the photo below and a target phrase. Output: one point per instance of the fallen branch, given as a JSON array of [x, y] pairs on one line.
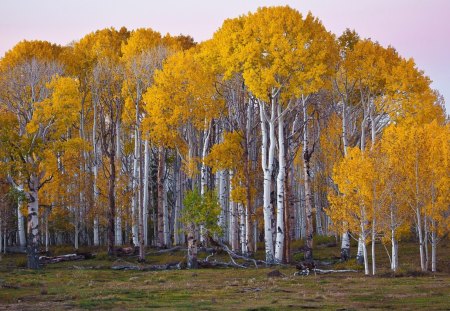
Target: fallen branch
[[233, 256], [321, 271], [68, 257], [169, 266]]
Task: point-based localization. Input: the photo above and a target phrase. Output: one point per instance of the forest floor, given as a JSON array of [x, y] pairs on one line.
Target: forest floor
[[93, 285]]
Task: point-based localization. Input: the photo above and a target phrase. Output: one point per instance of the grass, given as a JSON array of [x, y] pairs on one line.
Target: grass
[[92, 285]]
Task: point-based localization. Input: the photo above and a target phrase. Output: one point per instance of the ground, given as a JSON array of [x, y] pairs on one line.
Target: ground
[[92, 285]]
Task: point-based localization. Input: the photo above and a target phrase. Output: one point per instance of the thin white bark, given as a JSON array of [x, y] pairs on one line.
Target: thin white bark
[[20, 221], [434, 242], [118, 231], [279, 244], [134, 187], [267, 159], [146, 196]]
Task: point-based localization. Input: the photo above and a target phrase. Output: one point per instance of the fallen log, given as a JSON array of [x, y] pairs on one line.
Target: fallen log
[[67, 257], [321, 271], [233, 256], [169, 266]]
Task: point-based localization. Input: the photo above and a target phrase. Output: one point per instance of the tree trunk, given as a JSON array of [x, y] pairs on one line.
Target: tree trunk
[[242, 228], [192, 248], [145, 195], [134, 189], [420, 234], [267, 158], [160, 186], [425, 240], [279, 243], [33, 224], [234, 224], [360, 253], [308, 196], [433, 246], [394, 259], [166, 226], [20, 222], [373, 245], [112, 201], [345, 246]]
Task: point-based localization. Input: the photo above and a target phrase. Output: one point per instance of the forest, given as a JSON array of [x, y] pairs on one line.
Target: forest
[[273, 131]]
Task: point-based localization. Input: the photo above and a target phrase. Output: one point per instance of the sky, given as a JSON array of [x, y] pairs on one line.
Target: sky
[[416, 28]]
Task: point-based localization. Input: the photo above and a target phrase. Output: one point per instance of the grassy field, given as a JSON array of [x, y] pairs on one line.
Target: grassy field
[[92, 285]]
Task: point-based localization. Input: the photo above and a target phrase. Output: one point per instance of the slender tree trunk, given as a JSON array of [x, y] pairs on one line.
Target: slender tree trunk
[[134, 189], [267, 158], [308, 196], [222, 201], [160, 186], [425, 240], [95, 170], [145, 199], [77, 226], [373, 245], [242, 228], [33, 224], [234, 225], [20, 222], [118, 229], [167, 240], [112, 201], [394, 260], [421, 243], [279, 244], [433, 245]]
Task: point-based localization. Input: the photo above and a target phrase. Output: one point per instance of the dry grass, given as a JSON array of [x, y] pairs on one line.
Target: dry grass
[[93, 285]]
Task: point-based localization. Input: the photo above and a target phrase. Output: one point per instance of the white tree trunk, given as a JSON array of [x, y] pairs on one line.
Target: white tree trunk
[[360, 252], [366, 260], [118, 240], [145, 198], [222, 199], [425, 240], [433, 246], [267, 158], [242, 228], [167, 240], [20, 222], [134, 187], [280, 229], [345, 246], [307, 180], [234, 226], [394, 259], [420, 234], [373, 246], [33, 224], [203, 173], [95, 169]]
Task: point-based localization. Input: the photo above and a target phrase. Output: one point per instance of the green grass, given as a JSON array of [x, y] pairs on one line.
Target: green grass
[[92, 285]]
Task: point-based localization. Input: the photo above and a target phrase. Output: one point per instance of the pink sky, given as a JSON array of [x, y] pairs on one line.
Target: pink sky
[[416, 28]]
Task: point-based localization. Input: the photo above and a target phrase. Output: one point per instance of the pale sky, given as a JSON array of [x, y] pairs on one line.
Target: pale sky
[[416, 28]]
